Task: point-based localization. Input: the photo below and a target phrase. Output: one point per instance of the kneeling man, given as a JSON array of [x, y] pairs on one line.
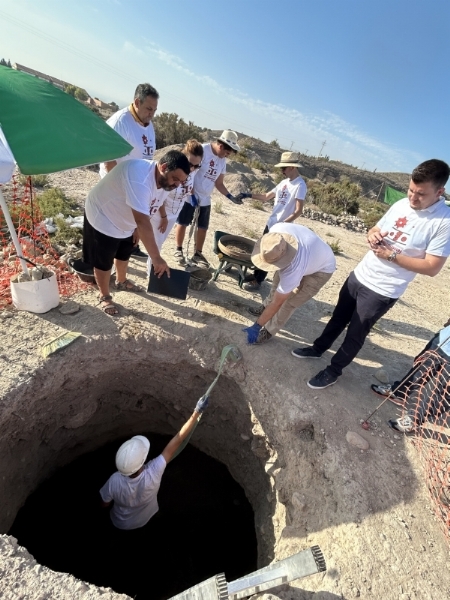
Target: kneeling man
[[303, 263]]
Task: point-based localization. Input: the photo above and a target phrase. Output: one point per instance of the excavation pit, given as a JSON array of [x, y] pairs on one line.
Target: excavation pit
[[216, 500], [205, 526]]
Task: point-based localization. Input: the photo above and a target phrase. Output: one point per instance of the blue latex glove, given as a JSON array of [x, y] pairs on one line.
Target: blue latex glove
[[234, 199], [202, 404], [252, 332], [194, 201], [243, 195]]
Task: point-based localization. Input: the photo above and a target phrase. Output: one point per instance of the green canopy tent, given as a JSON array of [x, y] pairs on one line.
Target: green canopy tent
[[46, 130], [391, 195]]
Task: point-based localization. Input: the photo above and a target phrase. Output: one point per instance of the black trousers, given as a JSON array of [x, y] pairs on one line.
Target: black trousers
[[359, 308], [259, 274]]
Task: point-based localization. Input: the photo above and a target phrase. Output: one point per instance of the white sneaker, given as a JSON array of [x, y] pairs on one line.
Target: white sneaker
[[180, 257]]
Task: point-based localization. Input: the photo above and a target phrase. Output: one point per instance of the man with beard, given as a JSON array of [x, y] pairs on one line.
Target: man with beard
[[412, 237], [117, 214]]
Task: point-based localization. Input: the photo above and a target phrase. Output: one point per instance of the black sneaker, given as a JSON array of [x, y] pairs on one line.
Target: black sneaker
[[308, 352], [138, 252], [322, 380], [256, 311]]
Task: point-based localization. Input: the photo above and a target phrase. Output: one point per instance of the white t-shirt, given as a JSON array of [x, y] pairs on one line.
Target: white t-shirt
[[135, 499], [313, 256], [212, 167], [177, 197], [286, 193], [140, 137], [130, 185], [412, 233]]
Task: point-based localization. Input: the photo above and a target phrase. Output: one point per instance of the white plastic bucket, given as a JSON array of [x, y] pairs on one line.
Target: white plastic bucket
[[36, 296]]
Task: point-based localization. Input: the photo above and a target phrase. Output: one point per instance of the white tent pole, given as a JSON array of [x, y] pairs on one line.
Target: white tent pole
[[12, 231]]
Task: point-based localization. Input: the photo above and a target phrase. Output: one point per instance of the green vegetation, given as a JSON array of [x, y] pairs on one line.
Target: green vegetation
[[171, 129], [275, 144], [39, 181], [76, 92], [335, 246], [64, 232], [371, 211], [53, 202], [336, 198]]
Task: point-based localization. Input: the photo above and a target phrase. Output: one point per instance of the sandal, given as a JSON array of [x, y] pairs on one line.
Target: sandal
[[128, 286], [108, 306]]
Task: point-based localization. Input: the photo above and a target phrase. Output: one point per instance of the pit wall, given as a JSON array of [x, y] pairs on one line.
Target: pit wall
[[93, 393]]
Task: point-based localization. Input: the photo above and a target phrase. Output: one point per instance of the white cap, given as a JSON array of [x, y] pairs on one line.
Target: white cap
[[132, 454]]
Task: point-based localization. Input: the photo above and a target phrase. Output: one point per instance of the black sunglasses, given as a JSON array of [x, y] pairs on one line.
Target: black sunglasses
[[195, 166]]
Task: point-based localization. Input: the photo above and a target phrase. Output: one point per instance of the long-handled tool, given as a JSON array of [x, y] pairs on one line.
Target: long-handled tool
[[235, 355]]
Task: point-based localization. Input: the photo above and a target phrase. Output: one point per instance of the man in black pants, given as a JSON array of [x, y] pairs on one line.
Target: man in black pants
[[412, 237]]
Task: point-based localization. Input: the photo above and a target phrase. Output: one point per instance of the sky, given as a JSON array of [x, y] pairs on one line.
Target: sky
[[361, 81]]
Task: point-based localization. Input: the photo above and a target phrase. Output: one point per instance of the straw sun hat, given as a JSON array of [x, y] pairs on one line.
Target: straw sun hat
[[289, 159], [230, 138], [274, 251]]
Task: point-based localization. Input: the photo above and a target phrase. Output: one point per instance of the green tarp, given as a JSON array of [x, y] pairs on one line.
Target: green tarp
[[391, 196], [49, 130]]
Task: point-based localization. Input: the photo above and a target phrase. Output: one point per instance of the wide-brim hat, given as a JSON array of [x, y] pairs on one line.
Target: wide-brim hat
[[230, 138], [289, 159], [274, 251]]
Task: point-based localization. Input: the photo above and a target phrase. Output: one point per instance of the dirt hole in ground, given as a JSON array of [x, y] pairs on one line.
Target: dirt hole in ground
[[59, 443], [205, 526]]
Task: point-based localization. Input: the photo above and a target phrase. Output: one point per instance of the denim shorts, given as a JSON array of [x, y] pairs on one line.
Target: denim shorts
[[187, 214]]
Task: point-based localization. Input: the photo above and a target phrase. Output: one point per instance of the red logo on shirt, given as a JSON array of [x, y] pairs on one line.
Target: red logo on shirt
[[400, 223], [145, 139]]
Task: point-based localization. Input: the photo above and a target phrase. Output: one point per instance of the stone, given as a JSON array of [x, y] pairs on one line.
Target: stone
[[382, 376], [356, 440], [69, 308]]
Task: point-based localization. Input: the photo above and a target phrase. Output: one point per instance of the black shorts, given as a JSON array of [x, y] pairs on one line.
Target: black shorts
[[100, 250], [187, 214]]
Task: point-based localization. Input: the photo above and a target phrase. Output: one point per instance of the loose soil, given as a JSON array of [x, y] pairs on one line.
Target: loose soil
[[369, 511]]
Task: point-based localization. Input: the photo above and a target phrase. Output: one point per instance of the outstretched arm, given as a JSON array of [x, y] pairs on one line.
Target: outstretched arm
[[184, 432]]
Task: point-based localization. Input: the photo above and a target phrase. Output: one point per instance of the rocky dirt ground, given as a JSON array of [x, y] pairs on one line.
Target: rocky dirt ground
[[383, 540]]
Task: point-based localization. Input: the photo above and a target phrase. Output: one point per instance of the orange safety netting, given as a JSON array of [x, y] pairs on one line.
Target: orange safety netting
[[425, 397], [34, 240]]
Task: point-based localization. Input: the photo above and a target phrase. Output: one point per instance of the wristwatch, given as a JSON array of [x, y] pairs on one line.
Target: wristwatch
[[392, 257]]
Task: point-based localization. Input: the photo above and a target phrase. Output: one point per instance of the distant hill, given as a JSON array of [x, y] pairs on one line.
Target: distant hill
[[372, 183]]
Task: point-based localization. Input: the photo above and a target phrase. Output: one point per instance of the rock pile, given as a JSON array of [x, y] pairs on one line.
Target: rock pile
[[345, 221]]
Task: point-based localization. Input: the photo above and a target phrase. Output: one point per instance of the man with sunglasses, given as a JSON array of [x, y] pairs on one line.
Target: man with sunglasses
[[210, 175], [289, 197]]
